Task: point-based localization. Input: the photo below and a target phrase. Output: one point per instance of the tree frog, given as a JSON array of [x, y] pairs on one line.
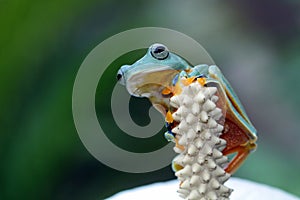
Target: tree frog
[[156, 76]]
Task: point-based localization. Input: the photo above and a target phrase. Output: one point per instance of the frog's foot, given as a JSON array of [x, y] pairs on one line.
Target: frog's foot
[[242, 151]]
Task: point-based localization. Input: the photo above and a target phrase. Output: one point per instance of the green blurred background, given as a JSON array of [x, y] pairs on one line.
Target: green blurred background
[[42, 44]]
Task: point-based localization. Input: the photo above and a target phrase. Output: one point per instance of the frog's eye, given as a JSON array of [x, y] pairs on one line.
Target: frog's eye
[[159, 51]]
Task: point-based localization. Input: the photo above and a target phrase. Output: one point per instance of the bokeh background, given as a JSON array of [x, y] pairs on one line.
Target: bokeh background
[[43, 43]]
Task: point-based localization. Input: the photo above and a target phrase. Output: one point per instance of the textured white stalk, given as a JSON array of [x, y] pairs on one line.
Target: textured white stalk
[[202, 175]]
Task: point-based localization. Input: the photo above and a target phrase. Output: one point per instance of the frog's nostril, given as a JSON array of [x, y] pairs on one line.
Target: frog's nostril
[[119, 76]]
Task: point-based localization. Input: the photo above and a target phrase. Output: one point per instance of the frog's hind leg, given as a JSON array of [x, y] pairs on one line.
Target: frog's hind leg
[[241, 146]]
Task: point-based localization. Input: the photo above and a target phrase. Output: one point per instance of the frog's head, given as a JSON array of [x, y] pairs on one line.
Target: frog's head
[[153, 72]]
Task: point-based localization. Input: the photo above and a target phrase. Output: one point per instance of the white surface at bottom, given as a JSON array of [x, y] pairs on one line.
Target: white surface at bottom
[[243, 190]]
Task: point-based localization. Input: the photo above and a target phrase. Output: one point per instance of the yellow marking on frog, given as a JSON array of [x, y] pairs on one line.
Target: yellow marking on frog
[[176, 167], [201, 80], [177, 89], [169, 117], [166, 91], [188, 81], [178, 145], [189, 70]]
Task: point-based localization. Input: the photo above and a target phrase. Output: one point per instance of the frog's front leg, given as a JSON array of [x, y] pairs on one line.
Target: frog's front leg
[[183, 73], [199, 70]]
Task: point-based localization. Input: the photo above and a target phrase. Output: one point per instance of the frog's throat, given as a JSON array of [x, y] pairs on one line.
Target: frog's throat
[[150, 81]]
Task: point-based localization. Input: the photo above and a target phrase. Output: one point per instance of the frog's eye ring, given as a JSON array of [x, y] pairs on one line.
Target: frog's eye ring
[[159, 51]]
